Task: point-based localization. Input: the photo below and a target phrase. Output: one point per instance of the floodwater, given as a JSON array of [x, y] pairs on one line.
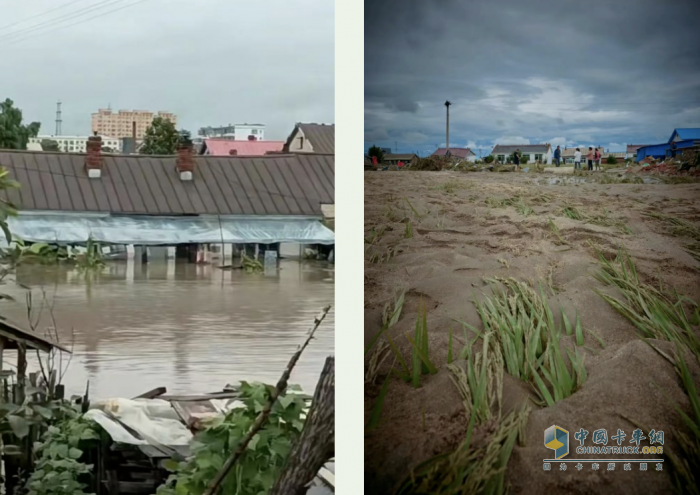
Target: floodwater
[[190, 328]]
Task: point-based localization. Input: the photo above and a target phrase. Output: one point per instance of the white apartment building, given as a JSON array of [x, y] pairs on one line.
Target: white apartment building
[[236, 132], [78, 144], [121, 124]]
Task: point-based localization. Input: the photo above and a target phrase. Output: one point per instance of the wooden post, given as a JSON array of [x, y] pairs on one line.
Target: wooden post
[[21, 371], [316, 445]]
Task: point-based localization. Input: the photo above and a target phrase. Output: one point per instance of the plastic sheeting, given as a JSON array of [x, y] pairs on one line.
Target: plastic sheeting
[[144, 230]]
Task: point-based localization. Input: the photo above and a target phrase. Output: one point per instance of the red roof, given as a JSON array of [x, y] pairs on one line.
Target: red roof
[[224, 147], [458, 152]]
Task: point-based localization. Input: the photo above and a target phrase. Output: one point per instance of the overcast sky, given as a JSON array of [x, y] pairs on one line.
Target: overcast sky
[[566, 72], [211, 62]]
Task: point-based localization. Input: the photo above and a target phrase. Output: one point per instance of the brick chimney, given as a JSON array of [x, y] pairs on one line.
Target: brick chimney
[[93, 160], [233, 152], [185, 162]]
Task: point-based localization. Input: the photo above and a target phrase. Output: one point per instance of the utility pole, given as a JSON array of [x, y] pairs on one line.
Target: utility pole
[[58, 118], [447, 140], [396, 147]]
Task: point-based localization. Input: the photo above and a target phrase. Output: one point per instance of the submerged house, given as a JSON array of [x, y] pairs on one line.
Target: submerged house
[[181, 201]]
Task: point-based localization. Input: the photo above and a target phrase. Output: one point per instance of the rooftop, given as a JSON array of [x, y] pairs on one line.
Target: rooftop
[[293, 184], [321, 136], [529, 148], [224, 147]]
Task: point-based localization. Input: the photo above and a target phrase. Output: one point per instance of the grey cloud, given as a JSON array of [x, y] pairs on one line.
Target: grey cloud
[[616, 75], [216, 62]]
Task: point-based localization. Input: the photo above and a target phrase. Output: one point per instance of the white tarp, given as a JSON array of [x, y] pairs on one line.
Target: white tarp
[[144, 230]]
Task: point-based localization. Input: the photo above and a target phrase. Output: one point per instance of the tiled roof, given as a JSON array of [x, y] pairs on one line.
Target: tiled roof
[[458, 152], [525, 148], [150, 185], [632, 148], [321, 137], [224, 147]]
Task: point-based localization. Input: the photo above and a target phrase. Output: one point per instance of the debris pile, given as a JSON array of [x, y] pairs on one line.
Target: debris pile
[[687, 163]]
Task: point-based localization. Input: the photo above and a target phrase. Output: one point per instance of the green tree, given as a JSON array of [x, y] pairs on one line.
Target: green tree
[[376, 151], [489, 159], [14, 135], [161, 138], [611, 160], [50, 145]]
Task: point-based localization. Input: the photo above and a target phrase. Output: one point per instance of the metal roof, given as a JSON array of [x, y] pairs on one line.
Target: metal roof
[[224, 147], [150, 185], [321, 137], [686, 133], [458, 152], [529, 148]]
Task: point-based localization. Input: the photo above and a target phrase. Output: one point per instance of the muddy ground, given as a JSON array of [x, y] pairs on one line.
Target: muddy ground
[[458, 239]]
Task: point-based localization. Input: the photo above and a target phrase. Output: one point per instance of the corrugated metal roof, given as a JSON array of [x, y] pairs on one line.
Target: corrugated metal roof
[[321, 137], [224, 147], [458, 152], [529, 148], [686, 133], [150, 185]]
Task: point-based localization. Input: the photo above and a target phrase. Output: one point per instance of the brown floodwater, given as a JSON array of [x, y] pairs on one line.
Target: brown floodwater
[[190, 328]]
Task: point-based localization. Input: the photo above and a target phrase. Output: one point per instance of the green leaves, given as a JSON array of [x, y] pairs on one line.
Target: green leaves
[[262, 461], [19, 425]]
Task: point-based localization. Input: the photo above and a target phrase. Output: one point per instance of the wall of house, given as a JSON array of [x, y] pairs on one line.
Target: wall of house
[[296, 144]]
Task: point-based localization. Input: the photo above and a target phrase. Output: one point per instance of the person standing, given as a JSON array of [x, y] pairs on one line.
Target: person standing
[[516, 158], [590, 157], [577, 159], [557, 156], [597, 158]]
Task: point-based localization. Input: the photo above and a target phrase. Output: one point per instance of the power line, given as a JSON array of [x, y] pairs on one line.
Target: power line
[[39, 15], [19, 35]]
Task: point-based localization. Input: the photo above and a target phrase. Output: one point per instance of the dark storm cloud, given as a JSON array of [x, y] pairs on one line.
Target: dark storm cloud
[[557, 71], [211, 63]]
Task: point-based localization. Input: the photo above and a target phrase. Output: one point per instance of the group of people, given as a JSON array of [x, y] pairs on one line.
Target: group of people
[[594, 157]]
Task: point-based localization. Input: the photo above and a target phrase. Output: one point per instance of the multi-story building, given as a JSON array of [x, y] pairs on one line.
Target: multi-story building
[[235, 132], [121, 124], [78, 144]]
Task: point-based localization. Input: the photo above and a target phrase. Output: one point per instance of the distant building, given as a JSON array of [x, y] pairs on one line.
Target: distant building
[[632, 150], [77, 144], [226, 147], [406, 158], [311, 138], [464, 153], [235, 132], [121, 124], [530, 152], [682, 138]]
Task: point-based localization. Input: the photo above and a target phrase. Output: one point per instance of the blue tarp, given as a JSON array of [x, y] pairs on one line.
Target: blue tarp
[[168, 231]]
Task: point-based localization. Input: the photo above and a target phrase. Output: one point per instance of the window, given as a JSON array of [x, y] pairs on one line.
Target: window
[[254, 131], [301, 142], [501, 158], [538, 156]]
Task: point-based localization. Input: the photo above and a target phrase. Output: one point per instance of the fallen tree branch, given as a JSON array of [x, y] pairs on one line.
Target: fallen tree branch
[[265, 413]]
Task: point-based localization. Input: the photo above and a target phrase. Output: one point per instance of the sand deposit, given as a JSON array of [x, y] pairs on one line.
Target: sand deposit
[[436, 235]]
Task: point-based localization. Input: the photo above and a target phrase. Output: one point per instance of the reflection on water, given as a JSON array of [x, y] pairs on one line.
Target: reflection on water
[[190, 328]]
